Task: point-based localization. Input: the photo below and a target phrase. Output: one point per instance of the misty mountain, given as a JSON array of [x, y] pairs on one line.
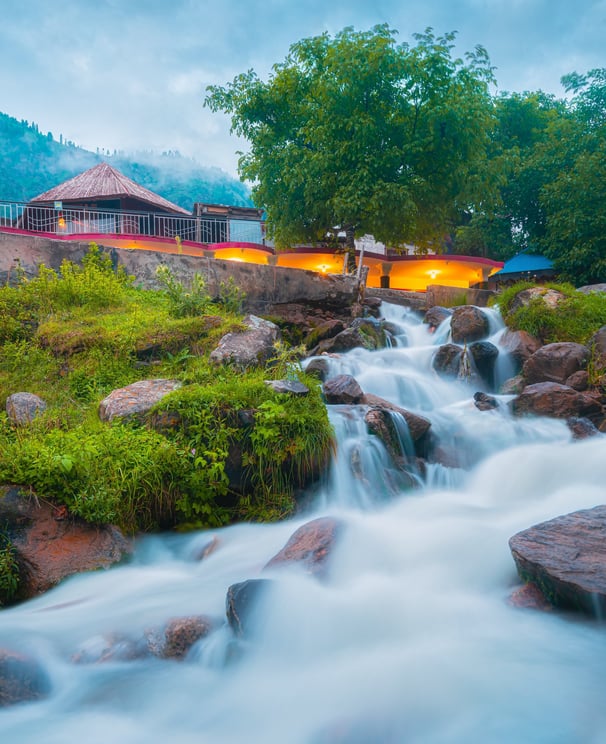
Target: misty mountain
[[32, 162]]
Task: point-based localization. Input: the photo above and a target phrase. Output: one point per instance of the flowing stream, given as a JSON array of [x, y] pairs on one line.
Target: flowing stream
[[409, 639]]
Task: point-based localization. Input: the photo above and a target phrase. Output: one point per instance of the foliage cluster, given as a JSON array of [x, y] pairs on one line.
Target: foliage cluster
[[355, 134], [89, 331], [359, 134], [576, 318]]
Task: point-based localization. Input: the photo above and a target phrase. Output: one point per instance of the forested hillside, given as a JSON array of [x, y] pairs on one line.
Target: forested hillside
[[32, 162]]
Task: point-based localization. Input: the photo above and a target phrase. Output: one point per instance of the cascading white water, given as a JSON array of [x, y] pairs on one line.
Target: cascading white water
[[410, 639]]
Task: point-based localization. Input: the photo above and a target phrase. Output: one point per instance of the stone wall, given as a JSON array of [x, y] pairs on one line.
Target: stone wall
[[263, 285], [449, 296]]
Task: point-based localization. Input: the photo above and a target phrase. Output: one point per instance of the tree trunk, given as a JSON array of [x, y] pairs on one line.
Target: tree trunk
[[350, 249]]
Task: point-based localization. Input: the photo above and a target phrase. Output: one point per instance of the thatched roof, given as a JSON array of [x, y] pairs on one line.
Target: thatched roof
[[104, 182]]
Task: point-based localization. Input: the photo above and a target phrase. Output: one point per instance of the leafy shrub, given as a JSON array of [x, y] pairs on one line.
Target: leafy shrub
[[184, 302], [576, 318], [94, 285], [123, 475]]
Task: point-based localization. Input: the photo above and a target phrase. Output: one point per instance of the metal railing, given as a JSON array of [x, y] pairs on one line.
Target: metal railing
[[80, 221]]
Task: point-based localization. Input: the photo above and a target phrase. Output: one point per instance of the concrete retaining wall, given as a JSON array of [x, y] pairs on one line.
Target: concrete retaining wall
[[263, 285]]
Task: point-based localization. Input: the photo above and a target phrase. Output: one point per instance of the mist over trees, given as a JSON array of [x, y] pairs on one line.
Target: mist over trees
[[32, 162], [358, 134]]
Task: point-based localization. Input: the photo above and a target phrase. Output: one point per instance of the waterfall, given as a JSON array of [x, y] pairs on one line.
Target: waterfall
[[410, 637]]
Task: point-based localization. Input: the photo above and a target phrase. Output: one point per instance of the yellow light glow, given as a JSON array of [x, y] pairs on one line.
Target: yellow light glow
[[61, 222], [433, 273], [323, 268]]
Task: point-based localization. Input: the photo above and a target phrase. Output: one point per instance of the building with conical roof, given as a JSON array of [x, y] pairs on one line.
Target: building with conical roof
[[104, 187]]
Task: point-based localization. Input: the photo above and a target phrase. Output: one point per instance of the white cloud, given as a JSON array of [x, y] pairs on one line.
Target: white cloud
[[131, 74]]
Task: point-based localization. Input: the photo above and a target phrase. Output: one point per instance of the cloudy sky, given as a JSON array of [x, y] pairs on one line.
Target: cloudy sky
[[131, 74]]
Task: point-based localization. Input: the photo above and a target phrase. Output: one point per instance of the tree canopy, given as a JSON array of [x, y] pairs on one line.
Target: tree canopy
[[359, 134]]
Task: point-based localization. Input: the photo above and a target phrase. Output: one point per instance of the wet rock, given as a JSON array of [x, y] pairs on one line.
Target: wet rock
[[327, 329], [112, 647], [51, 546], [136, 400], [310, 546], [207, 549], [555, 362], [566, 558], [513, 386], [485, 402], [362, 333], [484, 355], [529, 597], [554, 400], [418, 426], [249, 348], [242, 602], [436, 315], [447, 360], [343, 389], [348, 339], [289, 387], [176, 638], [468, 323], [318, 368], [22, 679], [372, 305], [22, 408], [581, 428], [520, 345]]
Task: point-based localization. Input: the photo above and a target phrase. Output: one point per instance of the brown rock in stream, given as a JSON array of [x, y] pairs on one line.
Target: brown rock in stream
[[22, 679], [51, 545], [310, 546], [566, 558]]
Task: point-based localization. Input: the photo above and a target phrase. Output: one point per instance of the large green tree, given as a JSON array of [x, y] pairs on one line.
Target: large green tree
[[574, 200], [358, 134]]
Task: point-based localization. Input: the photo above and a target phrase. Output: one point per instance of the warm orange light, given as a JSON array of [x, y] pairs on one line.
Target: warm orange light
[[433, 273], [61, 222], [323, 268]]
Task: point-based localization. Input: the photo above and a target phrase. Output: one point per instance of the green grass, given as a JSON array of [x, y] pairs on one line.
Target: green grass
[[72, 337], [576, 318]]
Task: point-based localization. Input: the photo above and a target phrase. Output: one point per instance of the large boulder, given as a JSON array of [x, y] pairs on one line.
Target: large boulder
[[468, 323], [22, 679], [566, 558], [49, 547], [250, 348], [134, 402], [447, 360], [22, 408], [343, 389], [309, 547], [554, 400], [520, 345], [555, 362]]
